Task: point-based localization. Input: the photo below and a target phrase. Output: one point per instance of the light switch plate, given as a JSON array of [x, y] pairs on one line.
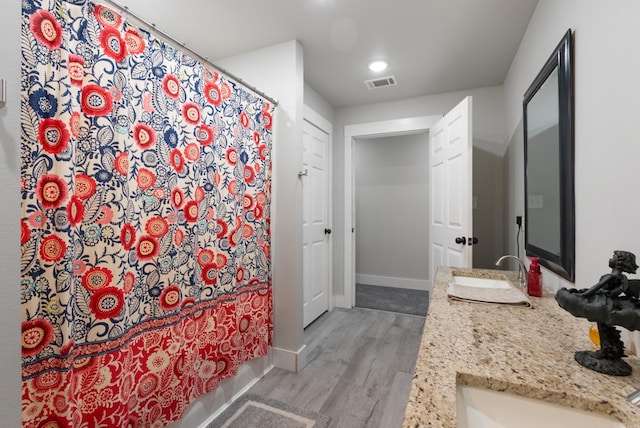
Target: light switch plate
[[536, 202]]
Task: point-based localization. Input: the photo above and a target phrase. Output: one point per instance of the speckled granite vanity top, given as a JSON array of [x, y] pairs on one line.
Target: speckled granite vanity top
[[524, 351]]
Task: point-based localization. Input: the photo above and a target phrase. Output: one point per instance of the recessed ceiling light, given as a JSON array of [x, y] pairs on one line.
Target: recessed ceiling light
[[378, 65]]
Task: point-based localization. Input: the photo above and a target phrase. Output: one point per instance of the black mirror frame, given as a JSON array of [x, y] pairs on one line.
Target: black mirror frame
[[563, 265]]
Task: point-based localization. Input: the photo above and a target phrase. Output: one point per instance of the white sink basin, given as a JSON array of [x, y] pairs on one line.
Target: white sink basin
[[469, 281], [484, 408]]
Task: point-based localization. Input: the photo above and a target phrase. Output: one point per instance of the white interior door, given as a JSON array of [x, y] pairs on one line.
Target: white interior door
[[316, 230], [451, 228]]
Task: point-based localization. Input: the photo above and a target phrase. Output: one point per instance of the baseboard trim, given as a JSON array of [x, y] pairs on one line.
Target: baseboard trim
[[389, 281], [294, 361]]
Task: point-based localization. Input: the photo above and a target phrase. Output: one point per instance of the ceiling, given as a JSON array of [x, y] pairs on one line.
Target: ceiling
[[432, 46]]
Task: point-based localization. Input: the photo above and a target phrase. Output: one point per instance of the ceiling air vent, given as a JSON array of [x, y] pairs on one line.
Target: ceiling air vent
[[381, 82]]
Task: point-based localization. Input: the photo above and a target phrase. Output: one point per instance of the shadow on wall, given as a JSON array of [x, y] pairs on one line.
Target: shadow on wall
[[488, 201]]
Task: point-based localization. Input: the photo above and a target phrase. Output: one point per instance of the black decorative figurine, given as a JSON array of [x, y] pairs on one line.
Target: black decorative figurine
[[613, 301]]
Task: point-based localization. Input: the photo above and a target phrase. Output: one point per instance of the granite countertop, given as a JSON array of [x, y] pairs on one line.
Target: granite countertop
[[524, 351]]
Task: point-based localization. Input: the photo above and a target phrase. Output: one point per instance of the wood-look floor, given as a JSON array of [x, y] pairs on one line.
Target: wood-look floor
[[360, 365]]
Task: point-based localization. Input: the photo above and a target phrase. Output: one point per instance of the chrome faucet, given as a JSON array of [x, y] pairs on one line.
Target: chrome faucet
[[634, 397], [522, 269]]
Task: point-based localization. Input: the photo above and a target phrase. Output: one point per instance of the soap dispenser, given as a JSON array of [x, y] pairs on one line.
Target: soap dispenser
[[534, 278]]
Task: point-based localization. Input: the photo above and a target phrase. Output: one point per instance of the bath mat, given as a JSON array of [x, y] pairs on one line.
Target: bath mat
[[392, 299], [251, 410]]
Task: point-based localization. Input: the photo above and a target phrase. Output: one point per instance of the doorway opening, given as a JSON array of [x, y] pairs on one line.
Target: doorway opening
[[450, 165], [363, 131], [391, 206]]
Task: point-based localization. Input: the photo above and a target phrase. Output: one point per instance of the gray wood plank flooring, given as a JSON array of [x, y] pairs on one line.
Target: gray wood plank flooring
[[360, 365]]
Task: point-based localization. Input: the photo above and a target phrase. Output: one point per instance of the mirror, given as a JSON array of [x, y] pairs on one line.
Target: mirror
[[548, 156]]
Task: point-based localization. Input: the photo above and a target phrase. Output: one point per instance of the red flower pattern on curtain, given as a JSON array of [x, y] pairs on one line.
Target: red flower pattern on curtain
[[145, 230]]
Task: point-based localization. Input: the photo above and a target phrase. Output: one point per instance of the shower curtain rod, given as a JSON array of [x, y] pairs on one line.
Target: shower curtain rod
[[184, 46]]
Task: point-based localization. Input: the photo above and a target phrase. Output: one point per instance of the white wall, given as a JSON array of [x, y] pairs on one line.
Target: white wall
[[391, 208], [607, 152], [318, 104], [10, 342], [513, 195], [488, 135]]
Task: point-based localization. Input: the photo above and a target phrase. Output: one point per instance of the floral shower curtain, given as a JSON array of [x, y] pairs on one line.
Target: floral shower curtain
[[145, 222]]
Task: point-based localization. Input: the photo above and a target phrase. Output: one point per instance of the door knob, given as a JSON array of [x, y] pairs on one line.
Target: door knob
[[472, 240], [461, 240], [327, 231]]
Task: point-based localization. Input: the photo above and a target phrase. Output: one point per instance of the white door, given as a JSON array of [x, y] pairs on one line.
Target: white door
[[315, 227], [450, 146]]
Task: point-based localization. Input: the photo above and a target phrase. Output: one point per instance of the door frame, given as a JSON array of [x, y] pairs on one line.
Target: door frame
[[315, 119], [409, 125]]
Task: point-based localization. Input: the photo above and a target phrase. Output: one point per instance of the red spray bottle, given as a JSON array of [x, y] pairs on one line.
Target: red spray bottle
[[534, 278]]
